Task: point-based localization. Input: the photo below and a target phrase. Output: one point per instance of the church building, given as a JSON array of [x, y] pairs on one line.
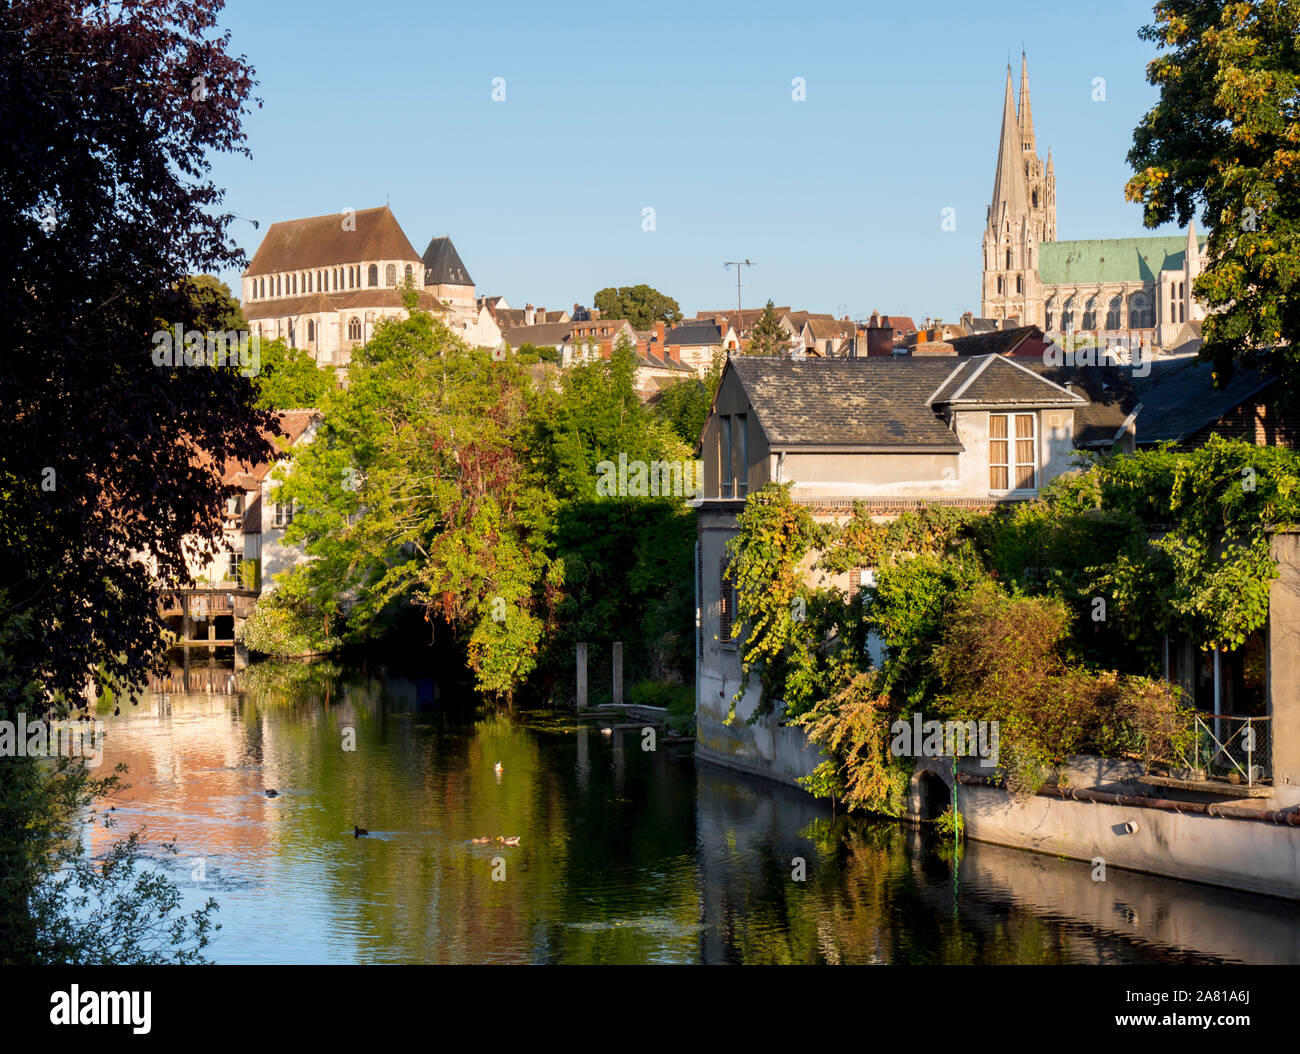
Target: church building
[[324, 283], [1114, 290]]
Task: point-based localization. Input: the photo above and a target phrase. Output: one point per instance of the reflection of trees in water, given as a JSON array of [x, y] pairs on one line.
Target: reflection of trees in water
[[296, 683], [875, 892]]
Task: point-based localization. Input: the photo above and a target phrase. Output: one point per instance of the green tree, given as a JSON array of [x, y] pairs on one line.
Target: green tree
[[290, 379], [767, 337], [1225, 136], [415, 493], [213, 306], [641, 305], [685, 406]]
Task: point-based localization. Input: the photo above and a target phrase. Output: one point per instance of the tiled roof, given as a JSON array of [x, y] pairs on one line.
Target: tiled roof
[[443, 265], [1111, 259], [1184, 400], [995, 342], [322, 241], [319, 303], [995, 379], [548, 334], [694, 333], [846, 402]]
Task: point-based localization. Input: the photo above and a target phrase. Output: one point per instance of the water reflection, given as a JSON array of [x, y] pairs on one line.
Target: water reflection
[[624, 855]]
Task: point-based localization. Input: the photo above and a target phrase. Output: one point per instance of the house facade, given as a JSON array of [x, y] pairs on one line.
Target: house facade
[[895, 434]]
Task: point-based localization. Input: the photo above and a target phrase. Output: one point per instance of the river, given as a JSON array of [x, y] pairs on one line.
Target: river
[[625, 855]]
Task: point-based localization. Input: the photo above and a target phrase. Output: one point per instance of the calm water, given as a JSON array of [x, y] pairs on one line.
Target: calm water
[[625, 856]]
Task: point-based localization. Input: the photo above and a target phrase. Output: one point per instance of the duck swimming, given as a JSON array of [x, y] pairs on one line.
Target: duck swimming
[[272, 793], [359, 832], [480, 841], [498, 768], [512, 840]]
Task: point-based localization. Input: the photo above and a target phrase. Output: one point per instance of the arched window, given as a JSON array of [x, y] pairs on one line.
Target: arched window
[[1008, 259], [999, 283], [1090, 313], [1181, 309], [390, 274], [373, 275], [1020, 288], [1067, 315], [1139, 311], [293, 285], [1114, 313], [408, 273], [349, 277], [354, 328], [311, 330], [1035, 199], [1180, 290], [278, 285], [1049, 313]]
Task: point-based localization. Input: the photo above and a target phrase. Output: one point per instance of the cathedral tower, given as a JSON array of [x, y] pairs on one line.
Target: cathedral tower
[[1022, 214]]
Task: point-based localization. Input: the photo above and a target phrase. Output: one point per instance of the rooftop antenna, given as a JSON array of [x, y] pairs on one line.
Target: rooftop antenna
[[738, 264]]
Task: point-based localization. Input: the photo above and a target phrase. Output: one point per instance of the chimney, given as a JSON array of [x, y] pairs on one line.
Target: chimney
[[659, 332], [575, 312], [541, 315], [530, 315]]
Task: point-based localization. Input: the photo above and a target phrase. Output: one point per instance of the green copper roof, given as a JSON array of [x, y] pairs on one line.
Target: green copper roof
[[1111, 259]]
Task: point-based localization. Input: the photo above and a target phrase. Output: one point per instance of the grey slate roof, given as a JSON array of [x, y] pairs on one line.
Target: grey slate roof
[[845, 402], [694, 332], [443, 265], [1183, 399], [548, 334], [997, 379], [994, 342]]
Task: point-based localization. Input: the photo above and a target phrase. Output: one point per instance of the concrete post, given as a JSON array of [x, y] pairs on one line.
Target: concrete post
[[618, 673], [582, 676]]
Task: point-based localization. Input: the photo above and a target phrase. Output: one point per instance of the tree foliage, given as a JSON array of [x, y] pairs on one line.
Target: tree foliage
[[767, 337], [641, 305], [990, 617], [1224, 137], [112, 114], [290, 379]]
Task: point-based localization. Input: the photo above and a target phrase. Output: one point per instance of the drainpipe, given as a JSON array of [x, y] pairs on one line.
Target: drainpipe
[[780, 464]]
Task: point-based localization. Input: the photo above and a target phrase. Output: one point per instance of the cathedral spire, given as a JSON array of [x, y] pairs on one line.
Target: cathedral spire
[[1026, 115], [1010, 196]]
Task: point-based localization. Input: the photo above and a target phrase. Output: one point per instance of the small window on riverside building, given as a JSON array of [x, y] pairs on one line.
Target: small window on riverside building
[[725, 474], [283, 515], [1012, 465], [233, 564], [726, 605], [742, 440], [373, 275]]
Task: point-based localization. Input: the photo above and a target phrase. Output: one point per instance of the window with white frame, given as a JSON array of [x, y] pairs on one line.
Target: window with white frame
[[1013, 445], [282, 515]]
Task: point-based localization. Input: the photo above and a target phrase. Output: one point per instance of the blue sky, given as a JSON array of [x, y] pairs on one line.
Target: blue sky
[[686, 108]]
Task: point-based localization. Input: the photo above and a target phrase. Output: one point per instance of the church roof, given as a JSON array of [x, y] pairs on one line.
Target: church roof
[[324, 241], [443, 265], [348, 300], [1111, 259]]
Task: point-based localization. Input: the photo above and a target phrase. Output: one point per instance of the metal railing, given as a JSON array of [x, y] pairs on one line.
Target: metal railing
[[1230, 747]]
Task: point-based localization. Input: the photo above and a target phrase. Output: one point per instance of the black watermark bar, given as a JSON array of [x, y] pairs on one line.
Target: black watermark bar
[[337, 1003]]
